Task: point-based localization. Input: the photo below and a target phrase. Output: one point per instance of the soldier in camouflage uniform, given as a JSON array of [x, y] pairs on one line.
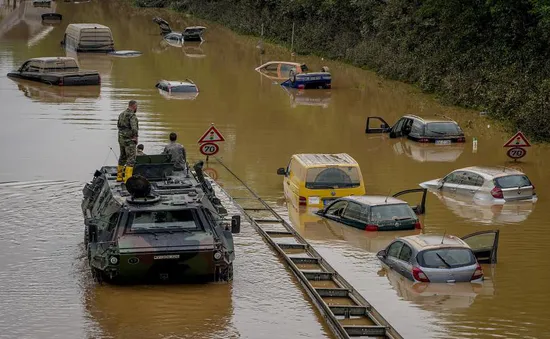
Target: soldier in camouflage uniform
[[127, 140], [177, 152]]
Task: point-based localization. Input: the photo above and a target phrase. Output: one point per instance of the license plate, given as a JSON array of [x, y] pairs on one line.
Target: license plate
[[442, 142], [314, 200], [170, 256]]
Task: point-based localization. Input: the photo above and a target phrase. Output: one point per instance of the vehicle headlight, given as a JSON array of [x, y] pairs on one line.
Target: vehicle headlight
[[217, 255], [113, 260]]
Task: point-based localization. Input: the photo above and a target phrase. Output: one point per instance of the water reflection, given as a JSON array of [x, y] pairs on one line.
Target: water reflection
[[423, 152], [56, 94], [308, 98], [193, 50], [23, 21], [485, 212], [432, 296], [169, 311], [101, 62]]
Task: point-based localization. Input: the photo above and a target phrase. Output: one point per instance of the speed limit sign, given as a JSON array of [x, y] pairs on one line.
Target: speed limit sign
[[209, 148], [516, 153]]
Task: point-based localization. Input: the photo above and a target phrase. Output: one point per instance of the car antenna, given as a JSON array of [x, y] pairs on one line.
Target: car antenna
[[387, 196], [443, 238]]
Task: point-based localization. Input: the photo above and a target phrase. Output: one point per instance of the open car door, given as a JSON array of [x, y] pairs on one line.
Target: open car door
[[384, 127], [484, 244], [420, 208]]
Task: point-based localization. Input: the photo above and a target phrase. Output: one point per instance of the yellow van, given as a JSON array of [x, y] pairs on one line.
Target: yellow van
[[88, 38], [316, 179]]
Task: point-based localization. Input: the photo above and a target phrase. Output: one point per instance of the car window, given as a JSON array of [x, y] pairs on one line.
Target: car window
[[286, 68], [417, 127], [407, 126], [304, 68], [434, 129], [456, 177], [337, 206], [392, 212], [356, 212], [406, 253], [446, 258], [511, 181], [472, 179], [271, 67], [332, 177], [399, 125], [393, 250]]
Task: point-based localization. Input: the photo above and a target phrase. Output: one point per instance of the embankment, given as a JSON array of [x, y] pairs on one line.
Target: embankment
[[491, 55]]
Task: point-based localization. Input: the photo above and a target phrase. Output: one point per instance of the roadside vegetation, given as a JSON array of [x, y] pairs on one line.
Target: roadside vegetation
[[491, 55]]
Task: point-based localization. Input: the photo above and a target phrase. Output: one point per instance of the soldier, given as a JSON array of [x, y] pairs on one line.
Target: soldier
[[127, 140], [140, 148], [177, 152]]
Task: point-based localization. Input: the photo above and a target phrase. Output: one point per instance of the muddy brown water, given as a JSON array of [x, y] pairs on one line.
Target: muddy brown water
[[52, 139]]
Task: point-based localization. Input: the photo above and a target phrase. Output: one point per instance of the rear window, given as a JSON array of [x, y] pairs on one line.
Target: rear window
[[333, 177], [435, 129], [392, 212], [511, 181], [182, 89], [167, 220], [446, 258]]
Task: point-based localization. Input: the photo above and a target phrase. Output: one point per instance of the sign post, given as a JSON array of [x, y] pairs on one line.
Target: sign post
[[208, 142], [516, 146]]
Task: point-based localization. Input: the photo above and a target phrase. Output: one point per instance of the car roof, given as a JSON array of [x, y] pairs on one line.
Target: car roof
[[322, 159], [173, 83], [431, 241], [491, 172], [195, 27], [53, 58], [430, 119], [88, 25], [375, 200]]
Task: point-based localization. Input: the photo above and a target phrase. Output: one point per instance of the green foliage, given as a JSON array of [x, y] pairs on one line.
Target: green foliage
[[488, 54]]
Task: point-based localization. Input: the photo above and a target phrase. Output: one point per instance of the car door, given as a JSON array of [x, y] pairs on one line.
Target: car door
[[469, 183], [384, 127], [421, 207], [404, 262], [355, 215], [484, 244], [335, 210], [390, 255], [451, 182], [397, 130]]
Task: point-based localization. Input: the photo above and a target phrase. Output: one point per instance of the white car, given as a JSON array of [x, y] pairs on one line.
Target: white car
[[491, 185]]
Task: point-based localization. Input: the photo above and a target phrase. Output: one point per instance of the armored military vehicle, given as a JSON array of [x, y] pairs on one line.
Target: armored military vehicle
[[161, 225]]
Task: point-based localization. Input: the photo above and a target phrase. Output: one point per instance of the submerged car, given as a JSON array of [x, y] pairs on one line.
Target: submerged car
[[160, 225], [281, 69], [191, 33], [441, 131], [313, 80], [376, 212], [51, 18], [178, 89], [61, 71], [492, 185], [441, 258]]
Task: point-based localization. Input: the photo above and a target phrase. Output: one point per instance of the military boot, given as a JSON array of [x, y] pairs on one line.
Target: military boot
[[119, 173], [128, 173]]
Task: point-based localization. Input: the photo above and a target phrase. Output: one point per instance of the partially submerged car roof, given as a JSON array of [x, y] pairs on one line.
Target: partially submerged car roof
[[431, 241], [376, 200], [431, 119], [491, 172], [322, 159]]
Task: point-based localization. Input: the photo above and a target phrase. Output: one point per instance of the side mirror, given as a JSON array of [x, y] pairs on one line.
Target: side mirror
[[381, 254], [281, 171], [236, 224]]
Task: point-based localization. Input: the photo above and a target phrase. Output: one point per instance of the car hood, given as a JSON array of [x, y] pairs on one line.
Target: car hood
[[163, 241]]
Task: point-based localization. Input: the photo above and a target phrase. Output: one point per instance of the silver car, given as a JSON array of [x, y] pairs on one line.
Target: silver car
[[494, 185], [441, 258]]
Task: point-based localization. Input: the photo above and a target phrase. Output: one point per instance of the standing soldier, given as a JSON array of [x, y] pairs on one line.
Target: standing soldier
[[127, 140]]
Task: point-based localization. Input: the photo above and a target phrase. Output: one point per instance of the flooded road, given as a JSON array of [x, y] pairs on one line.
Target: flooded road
[[54, 138]]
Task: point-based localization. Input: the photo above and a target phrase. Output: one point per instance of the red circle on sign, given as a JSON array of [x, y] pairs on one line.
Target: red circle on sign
[[516, 153], [209, 148]]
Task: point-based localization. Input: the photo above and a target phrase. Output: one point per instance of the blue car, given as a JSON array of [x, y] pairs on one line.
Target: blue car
[[312, 80]]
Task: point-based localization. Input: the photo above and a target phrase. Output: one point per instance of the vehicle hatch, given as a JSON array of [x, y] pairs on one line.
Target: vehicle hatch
[[447, 264], [332, 177], [515, 187], [442, 130], [392, 215]]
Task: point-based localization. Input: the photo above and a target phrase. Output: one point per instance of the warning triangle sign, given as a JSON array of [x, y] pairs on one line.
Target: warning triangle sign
[[518, 140], [211, 135]]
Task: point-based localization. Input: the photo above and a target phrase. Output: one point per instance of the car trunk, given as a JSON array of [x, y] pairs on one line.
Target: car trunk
[[448, 264], [515, 187]]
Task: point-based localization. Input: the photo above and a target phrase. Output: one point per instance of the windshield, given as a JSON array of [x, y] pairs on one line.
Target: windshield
[[333, 177], [442, 129], [173, 220], [446, 258], [392, 212], [511, 181]]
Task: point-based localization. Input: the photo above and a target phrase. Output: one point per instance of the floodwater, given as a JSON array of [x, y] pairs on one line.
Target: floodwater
[[52, 140]]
